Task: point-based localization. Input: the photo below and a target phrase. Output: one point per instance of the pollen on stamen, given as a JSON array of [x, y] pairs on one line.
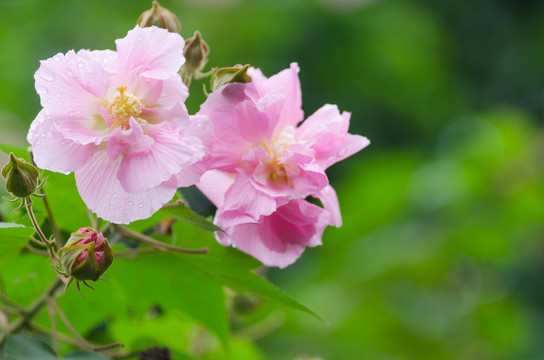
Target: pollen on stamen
[[122, 107]]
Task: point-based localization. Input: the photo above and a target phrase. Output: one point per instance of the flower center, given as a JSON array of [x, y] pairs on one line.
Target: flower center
[[278, 171], [122, 107]]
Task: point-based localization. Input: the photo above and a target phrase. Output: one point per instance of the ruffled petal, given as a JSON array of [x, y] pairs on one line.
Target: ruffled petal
[[151, 52], [214, 184], [102, 192], [171, 152], [52, 151], [224, 107], [244, 203], [326, 132], [280, 238], [69, 84], [329, 199], [286, 85]]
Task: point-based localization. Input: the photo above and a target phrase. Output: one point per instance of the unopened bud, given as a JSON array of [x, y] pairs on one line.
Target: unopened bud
[[195, 53], [86, 255], [160, 17], [235, 74], [21, 177]]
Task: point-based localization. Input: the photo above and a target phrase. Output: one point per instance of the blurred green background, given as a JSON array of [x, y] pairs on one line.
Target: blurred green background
[[441, 255]]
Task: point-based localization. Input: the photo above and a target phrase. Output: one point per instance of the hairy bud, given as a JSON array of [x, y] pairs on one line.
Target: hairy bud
[[21, 177], [234, 74], [86, 255], [160, 17], [195, 53]]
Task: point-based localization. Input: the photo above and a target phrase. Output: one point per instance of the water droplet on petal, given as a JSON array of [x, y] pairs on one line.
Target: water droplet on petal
[[80, 65], [234, 246], [114, 195], [140, 38], [130, 203], [140, 205], [70, 73], [57, 58], [41, 90], [46, 76], [111, 207]]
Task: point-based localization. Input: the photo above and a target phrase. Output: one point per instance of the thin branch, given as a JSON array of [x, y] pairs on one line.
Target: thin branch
[[156, 244], [7, 301], [71, 341], [43, 238], [33, 309], [36, 251], [132, 254], [51, 312], [80, 338]]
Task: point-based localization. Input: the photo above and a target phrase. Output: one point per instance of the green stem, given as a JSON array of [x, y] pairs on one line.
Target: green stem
[[156, 244], [48, 244]]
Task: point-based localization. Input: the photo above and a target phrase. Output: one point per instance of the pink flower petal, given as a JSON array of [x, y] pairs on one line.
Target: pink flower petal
[[243, 202], [286, 85], [151, 52], [102, 192], [280, 238], [170, 153], [214, 184], [329, 199], [54, 152], [326, 132], [69, 84]]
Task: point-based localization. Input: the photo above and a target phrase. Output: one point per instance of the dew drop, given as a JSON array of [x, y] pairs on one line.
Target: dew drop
[[41, 90], [130, 203], [46, 76], [342, 152], [80, 65], [57, 58], [70, 73], [59, 103], [234, 246], [114, 195], [111, 207], [108, 195], [140, 205], [140, 38]]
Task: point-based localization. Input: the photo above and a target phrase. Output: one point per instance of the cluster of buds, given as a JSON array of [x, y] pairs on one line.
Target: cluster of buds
[[21, 177], [86, 255]]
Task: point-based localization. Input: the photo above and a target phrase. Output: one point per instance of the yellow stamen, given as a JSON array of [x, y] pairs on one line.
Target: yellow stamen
[[122, 107]]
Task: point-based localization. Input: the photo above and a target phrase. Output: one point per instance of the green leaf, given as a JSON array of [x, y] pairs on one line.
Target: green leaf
[[188, 216], [135, 286], [20, 347], [17, 150], [13, 237], [233, 268]]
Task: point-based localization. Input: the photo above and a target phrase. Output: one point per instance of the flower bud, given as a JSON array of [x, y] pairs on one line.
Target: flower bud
[[86, 255], [195, 53], [235, 74], [160, 17], [21, 177]]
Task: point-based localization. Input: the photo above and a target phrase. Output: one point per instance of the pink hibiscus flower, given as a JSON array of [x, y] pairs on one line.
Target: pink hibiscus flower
[[265, 165], [118, 121]]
